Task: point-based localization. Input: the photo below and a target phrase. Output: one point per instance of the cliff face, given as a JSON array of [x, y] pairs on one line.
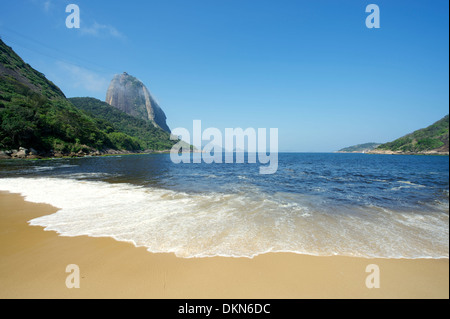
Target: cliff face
[[130, 95]]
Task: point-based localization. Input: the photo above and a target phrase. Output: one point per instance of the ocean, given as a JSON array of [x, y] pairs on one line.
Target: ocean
[[373, 206]]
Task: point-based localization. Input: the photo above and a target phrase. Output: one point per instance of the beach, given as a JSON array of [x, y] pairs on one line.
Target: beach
[[33, 265]]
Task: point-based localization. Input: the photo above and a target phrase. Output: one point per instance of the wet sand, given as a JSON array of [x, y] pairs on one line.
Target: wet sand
[[33, 265]]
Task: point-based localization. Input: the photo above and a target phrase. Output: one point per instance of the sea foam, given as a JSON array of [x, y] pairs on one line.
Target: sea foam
[[230, 224]]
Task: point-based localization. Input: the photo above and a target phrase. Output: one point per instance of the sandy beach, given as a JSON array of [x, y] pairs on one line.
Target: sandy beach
[[33, 265]]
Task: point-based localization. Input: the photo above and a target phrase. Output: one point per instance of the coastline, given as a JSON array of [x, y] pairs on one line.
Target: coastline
[[33, 264], [388, 152], [379, 152], [32, 156]]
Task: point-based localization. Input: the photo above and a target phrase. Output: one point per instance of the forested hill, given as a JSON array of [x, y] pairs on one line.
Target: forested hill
[[360, 148], [149, 136], [430, 140], [20, 79], [35, 115]]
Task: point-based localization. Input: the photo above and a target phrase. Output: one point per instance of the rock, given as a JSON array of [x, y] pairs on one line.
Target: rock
[[22, 153], [4, 155], [73, 154], [34, 157], [130, 95], [32, 151]]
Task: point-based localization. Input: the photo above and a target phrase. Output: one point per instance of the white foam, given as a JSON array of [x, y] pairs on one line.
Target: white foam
[[43, 168], [234, 225], [410, 183]]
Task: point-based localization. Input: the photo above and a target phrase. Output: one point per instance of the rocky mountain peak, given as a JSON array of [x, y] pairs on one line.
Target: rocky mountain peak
[[131, 96]]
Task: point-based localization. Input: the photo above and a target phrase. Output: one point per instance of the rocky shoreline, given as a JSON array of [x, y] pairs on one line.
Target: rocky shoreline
[[24, 153], [388, 152]]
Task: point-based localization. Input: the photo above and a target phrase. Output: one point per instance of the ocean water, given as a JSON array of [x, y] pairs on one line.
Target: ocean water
[[317, 204]]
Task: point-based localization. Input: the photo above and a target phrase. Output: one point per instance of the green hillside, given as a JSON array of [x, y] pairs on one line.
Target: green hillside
[[34, 113], [146, 134], [359, 148], [433, 138]]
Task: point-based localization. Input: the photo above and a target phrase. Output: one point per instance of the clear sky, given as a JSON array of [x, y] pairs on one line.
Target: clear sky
[[311, 68]]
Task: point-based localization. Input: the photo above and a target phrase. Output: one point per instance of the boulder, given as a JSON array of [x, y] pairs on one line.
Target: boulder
[[4, 155], [21, 153]]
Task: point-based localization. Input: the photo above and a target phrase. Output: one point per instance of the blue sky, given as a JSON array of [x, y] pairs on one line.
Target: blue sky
[[312, 69]]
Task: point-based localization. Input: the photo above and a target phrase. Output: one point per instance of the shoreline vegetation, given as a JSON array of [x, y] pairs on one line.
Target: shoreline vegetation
[[26, 154], [33, 265], [23, 153], [432, 140], [390, 152], [360, 148]]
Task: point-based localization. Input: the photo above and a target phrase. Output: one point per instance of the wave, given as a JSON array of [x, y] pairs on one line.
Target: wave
[[231, 224]]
